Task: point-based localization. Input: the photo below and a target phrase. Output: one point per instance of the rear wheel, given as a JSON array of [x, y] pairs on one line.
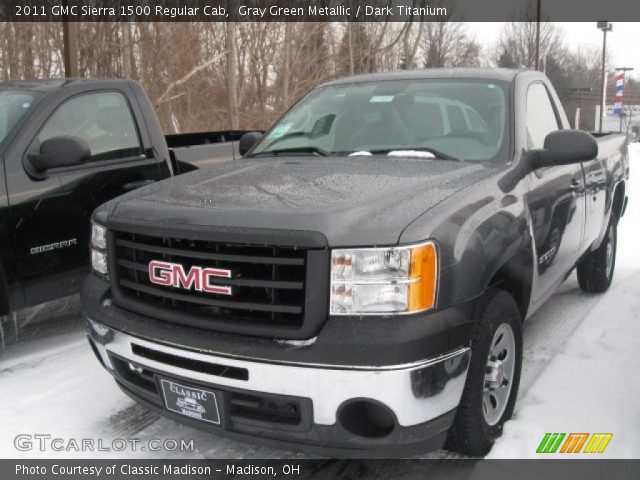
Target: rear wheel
[[595, 271], [492, 382]]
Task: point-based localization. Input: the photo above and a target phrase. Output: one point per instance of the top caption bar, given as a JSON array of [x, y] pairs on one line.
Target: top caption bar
[[317, 10]]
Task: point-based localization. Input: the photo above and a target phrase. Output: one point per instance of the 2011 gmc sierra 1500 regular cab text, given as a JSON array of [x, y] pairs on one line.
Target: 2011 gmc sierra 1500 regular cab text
[[358, 283], [67, 146]]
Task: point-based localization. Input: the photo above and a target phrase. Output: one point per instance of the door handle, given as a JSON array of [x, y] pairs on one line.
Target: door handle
[[136, 184], [575, 186]]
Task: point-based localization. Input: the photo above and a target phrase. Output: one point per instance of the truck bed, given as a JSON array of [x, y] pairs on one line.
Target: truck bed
[[190, 151]]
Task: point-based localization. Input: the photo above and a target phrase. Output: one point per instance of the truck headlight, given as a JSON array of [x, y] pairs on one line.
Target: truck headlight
[[99, 249], [98, 236], [382, 281]]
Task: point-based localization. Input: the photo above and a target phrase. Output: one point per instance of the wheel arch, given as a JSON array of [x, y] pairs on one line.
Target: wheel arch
[[515, 276], [619, 194]]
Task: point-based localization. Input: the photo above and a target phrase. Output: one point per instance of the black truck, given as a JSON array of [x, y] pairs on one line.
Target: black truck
[[358, 283], [67, 146]]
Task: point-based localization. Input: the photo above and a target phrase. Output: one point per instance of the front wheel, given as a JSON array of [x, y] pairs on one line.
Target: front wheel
[[595, 270], [492, 382]]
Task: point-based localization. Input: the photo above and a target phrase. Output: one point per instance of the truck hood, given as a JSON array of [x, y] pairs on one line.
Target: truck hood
[[351, 201]]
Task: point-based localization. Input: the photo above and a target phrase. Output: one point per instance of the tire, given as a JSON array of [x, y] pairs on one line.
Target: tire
[[475, 428], [595, 271]]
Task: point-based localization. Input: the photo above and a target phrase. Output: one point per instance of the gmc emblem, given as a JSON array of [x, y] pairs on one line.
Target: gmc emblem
[[198, 278]]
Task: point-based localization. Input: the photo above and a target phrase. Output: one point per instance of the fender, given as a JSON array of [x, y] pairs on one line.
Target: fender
[[609, 210], [618, 171], [476, 241]]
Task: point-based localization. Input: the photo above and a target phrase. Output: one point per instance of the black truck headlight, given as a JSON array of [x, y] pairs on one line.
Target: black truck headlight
[[384, 281], [99, 249]]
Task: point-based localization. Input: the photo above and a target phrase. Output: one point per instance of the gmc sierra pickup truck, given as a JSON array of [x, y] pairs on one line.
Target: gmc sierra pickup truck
[[358, 283], [67, 146]]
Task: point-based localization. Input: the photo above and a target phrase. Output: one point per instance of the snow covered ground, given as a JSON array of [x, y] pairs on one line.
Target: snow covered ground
[[579, 375]]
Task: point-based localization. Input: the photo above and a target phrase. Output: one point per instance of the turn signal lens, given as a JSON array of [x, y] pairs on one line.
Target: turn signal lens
[[424, 268]]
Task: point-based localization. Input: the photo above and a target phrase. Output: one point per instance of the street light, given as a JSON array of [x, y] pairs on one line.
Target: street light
[[605, 27]]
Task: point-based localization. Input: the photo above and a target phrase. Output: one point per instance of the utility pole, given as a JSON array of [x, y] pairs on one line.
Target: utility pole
[[538, 18], [580, 90], [605, 27], [232, 65], [70, 50], [624, 70]]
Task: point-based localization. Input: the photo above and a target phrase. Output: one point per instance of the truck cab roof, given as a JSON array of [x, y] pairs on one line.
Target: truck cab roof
[[498, 74], [51, 84]]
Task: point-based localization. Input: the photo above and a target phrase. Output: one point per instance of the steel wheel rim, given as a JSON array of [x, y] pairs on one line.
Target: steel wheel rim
[[499, 372], [610, 249]]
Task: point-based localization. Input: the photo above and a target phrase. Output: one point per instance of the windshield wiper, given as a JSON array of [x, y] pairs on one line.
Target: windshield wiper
[[307, 149], [438, 154]]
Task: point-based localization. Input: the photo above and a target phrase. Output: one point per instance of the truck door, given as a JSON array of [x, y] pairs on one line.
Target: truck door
[[556, 199], [7, 257], [52, 242]]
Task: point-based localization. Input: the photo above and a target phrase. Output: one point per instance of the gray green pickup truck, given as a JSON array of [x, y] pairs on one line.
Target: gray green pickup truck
[[358, 283]]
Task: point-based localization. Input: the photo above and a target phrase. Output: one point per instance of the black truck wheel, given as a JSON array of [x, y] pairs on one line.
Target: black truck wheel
[[595, 271], [494, 375]]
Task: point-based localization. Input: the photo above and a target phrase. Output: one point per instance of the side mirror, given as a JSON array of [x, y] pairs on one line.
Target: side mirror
[[564, 147], [60, 151], [247, 141]]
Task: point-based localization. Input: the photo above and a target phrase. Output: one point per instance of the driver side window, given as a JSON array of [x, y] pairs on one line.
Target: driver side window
[[102, 119], [541, 117]]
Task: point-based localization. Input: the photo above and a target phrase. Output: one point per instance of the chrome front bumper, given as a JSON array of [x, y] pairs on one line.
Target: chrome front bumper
[[416, 392]]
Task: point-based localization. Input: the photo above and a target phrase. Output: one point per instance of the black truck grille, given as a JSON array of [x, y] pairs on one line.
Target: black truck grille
[[269, 285]]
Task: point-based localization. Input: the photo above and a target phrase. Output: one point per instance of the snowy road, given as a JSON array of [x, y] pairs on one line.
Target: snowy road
[[578, 376]]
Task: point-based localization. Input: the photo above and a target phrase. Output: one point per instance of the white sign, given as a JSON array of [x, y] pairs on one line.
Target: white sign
[[633, 109]]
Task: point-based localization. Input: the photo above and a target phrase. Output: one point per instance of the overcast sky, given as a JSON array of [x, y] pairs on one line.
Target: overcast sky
[[623, 42]]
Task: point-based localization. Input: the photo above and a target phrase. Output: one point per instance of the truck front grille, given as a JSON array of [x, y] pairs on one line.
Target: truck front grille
[[274, 290]]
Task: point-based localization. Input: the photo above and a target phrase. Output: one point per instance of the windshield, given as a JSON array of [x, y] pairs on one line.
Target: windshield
[[13, 105], [454, 119]]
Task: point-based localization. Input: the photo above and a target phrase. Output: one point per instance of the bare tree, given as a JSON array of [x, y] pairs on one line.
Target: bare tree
[[448, 44], [232, 92], [517, 44], [285, 74], [410, 43], [214, 76]]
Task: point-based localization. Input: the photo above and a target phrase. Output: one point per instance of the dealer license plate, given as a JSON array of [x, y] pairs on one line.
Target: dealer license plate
[[191, 402]]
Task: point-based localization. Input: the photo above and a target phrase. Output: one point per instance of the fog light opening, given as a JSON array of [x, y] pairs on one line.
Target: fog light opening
[[367, 418]]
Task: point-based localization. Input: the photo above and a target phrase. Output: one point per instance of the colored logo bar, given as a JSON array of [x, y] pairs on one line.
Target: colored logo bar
[[574, 442], [617, 107]]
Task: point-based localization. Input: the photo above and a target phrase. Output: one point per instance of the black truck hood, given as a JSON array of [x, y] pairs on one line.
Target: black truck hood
[[350, 201]]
